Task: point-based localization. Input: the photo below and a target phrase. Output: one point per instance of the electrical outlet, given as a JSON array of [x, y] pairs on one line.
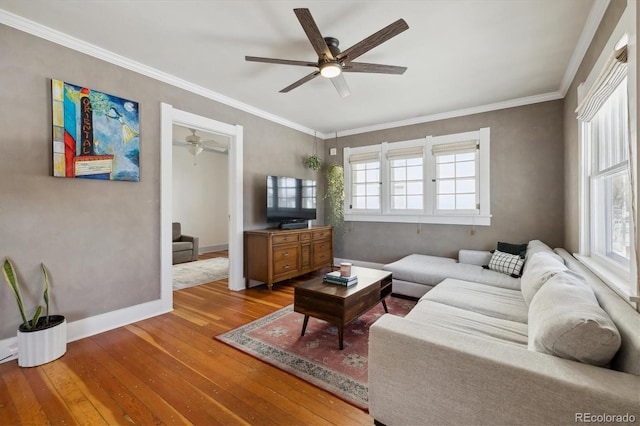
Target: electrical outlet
[[333, 151]]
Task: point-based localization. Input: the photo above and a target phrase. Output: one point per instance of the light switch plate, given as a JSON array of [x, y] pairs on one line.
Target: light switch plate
[[333, 151]]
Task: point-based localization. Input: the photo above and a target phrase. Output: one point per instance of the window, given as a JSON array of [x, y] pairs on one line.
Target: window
[[609, 179], [406, 178], [442, 179], [456, 172], [365, 180], [606, 234]]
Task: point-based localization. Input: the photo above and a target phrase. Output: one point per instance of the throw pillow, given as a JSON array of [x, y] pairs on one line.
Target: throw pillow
[[566, 320], [538, 269], [519, 249], [510, 264]]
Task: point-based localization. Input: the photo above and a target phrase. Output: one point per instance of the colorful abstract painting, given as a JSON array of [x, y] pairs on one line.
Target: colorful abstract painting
[[95, 135]]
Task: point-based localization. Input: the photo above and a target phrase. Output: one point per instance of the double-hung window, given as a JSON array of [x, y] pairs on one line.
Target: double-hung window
[[456, 177], [606, 228], [365, 180], [406, 178], [443, 179]]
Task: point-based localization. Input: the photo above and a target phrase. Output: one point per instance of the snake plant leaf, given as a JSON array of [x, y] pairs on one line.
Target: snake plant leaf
[[45, 292], [10, 277], [36, 317]]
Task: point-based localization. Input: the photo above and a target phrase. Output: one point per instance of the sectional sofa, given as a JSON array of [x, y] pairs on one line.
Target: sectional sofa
[[556, 346]]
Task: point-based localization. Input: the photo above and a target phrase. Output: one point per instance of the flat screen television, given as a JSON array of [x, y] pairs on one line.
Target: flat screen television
[[290, 200]]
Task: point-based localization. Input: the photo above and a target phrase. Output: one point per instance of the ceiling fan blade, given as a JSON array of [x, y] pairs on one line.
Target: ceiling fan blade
[[341, 86], [301, 81], [374, 68], [313, 33], [373, 40], [280, 61]]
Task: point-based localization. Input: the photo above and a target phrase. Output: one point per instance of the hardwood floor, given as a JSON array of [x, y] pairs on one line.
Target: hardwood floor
[[169, 370]]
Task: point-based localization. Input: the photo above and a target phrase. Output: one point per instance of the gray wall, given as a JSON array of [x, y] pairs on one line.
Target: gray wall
[[101, 240], [571, 158], [526, 187]]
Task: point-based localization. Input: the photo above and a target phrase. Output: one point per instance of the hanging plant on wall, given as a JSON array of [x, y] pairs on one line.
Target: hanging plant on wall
[[313, 162], [335, 194]]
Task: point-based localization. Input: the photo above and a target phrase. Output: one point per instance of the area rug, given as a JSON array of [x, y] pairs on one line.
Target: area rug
[[200, 272], [315, 357]]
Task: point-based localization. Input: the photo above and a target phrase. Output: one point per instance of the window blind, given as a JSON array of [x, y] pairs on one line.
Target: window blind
[[614, 71], [414, 151], [454, 148], [364, 157]]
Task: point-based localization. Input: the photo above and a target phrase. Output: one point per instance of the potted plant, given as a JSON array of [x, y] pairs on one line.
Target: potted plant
[[313, 162], [42, 338]]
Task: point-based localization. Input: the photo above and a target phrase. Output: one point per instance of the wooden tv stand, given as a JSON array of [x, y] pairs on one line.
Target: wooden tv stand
[[274, 255]]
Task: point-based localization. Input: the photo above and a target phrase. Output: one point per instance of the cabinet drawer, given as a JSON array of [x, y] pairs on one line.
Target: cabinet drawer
[[306, 236], [285, 266], [321, 257], [288, 238], [285, 253], [318, 235], [319, 246]]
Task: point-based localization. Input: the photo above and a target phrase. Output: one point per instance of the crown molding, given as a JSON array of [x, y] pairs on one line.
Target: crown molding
[[55, 36], [593, 21], [596, 14], [551, 96]]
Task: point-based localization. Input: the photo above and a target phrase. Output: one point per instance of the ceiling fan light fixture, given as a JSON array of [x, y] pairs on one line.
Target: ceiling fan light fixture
[[330, 69], [195, 149]]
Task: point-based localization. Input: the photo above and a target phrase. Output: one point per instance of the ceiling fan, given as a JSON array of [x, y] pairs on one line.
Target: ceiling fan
[[331, 61], [195, 145]]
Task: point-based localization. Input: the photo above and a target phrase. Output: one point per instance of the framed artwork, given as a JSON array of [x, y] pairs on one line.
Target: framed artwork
[[95, 135]]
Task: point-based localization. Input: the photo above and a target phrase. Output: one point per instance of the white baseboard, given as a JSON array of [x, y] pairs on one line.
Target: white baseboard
[[372, 265], [211, 249], [86, 327]]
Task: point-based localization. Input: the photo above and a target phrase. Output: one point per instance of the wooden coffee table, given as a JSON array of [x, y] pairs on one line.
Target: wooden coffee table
[[339, 305]]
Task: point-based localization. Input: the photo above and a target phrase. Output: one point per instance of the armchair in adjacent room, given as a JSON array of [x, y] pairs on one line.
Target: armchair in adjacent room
[[185, 247]]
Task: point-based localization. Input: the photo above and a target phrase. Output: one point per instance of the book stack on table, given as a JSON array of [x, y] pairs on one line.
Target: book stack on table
[[336, 278]]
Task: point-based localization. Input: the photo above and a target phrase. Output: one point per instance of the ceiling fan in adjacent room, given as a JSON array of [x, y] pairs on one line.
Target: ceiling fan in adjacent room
[[195, 145], [331, 61]]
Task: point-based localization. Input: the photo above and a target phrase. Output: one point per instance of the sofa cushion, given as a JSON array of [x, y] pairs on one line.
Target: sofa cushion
[[182, 245], [538, 269], [537, 246], [418, 268], [431, 270], [519, 249], [484, 299], [176, 231], [510, 264], [469, 322], [565, 320]]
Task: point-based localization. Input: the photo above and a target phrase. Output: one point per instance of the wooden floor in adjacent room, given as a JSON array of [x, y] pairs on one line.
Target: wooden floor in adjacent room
[[170, 370]]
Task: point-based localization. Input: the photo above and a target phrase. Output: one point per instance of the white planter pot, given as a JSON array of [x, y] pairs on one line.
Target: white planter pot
[[42, 346]]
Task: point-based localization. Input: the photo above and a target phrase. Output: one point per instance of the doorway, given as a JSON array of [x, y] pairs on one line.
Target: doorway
[[200, 187], [234, 134]]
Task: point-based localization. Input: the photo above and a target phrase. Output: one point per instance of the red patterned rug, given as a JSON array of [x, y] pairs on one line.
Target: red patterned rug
[[315, 357]]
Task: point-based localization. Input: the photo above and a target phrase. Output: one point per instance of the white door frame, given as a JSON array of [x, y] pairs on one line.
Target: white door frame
[[168, 117]]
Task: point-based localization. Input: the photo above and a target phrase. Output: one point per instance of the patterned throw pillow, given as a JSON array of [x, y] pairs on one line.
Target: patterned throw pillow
[[510, 264]]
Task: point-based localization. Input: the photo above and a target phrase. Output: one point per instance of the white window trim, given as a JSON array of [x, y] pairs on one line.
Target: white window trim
[[429, 215], [621, 281]]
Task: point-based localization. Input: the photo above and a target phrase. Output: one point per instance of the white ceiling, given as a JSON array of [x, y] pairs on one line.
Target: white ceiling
[[460, 54]]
